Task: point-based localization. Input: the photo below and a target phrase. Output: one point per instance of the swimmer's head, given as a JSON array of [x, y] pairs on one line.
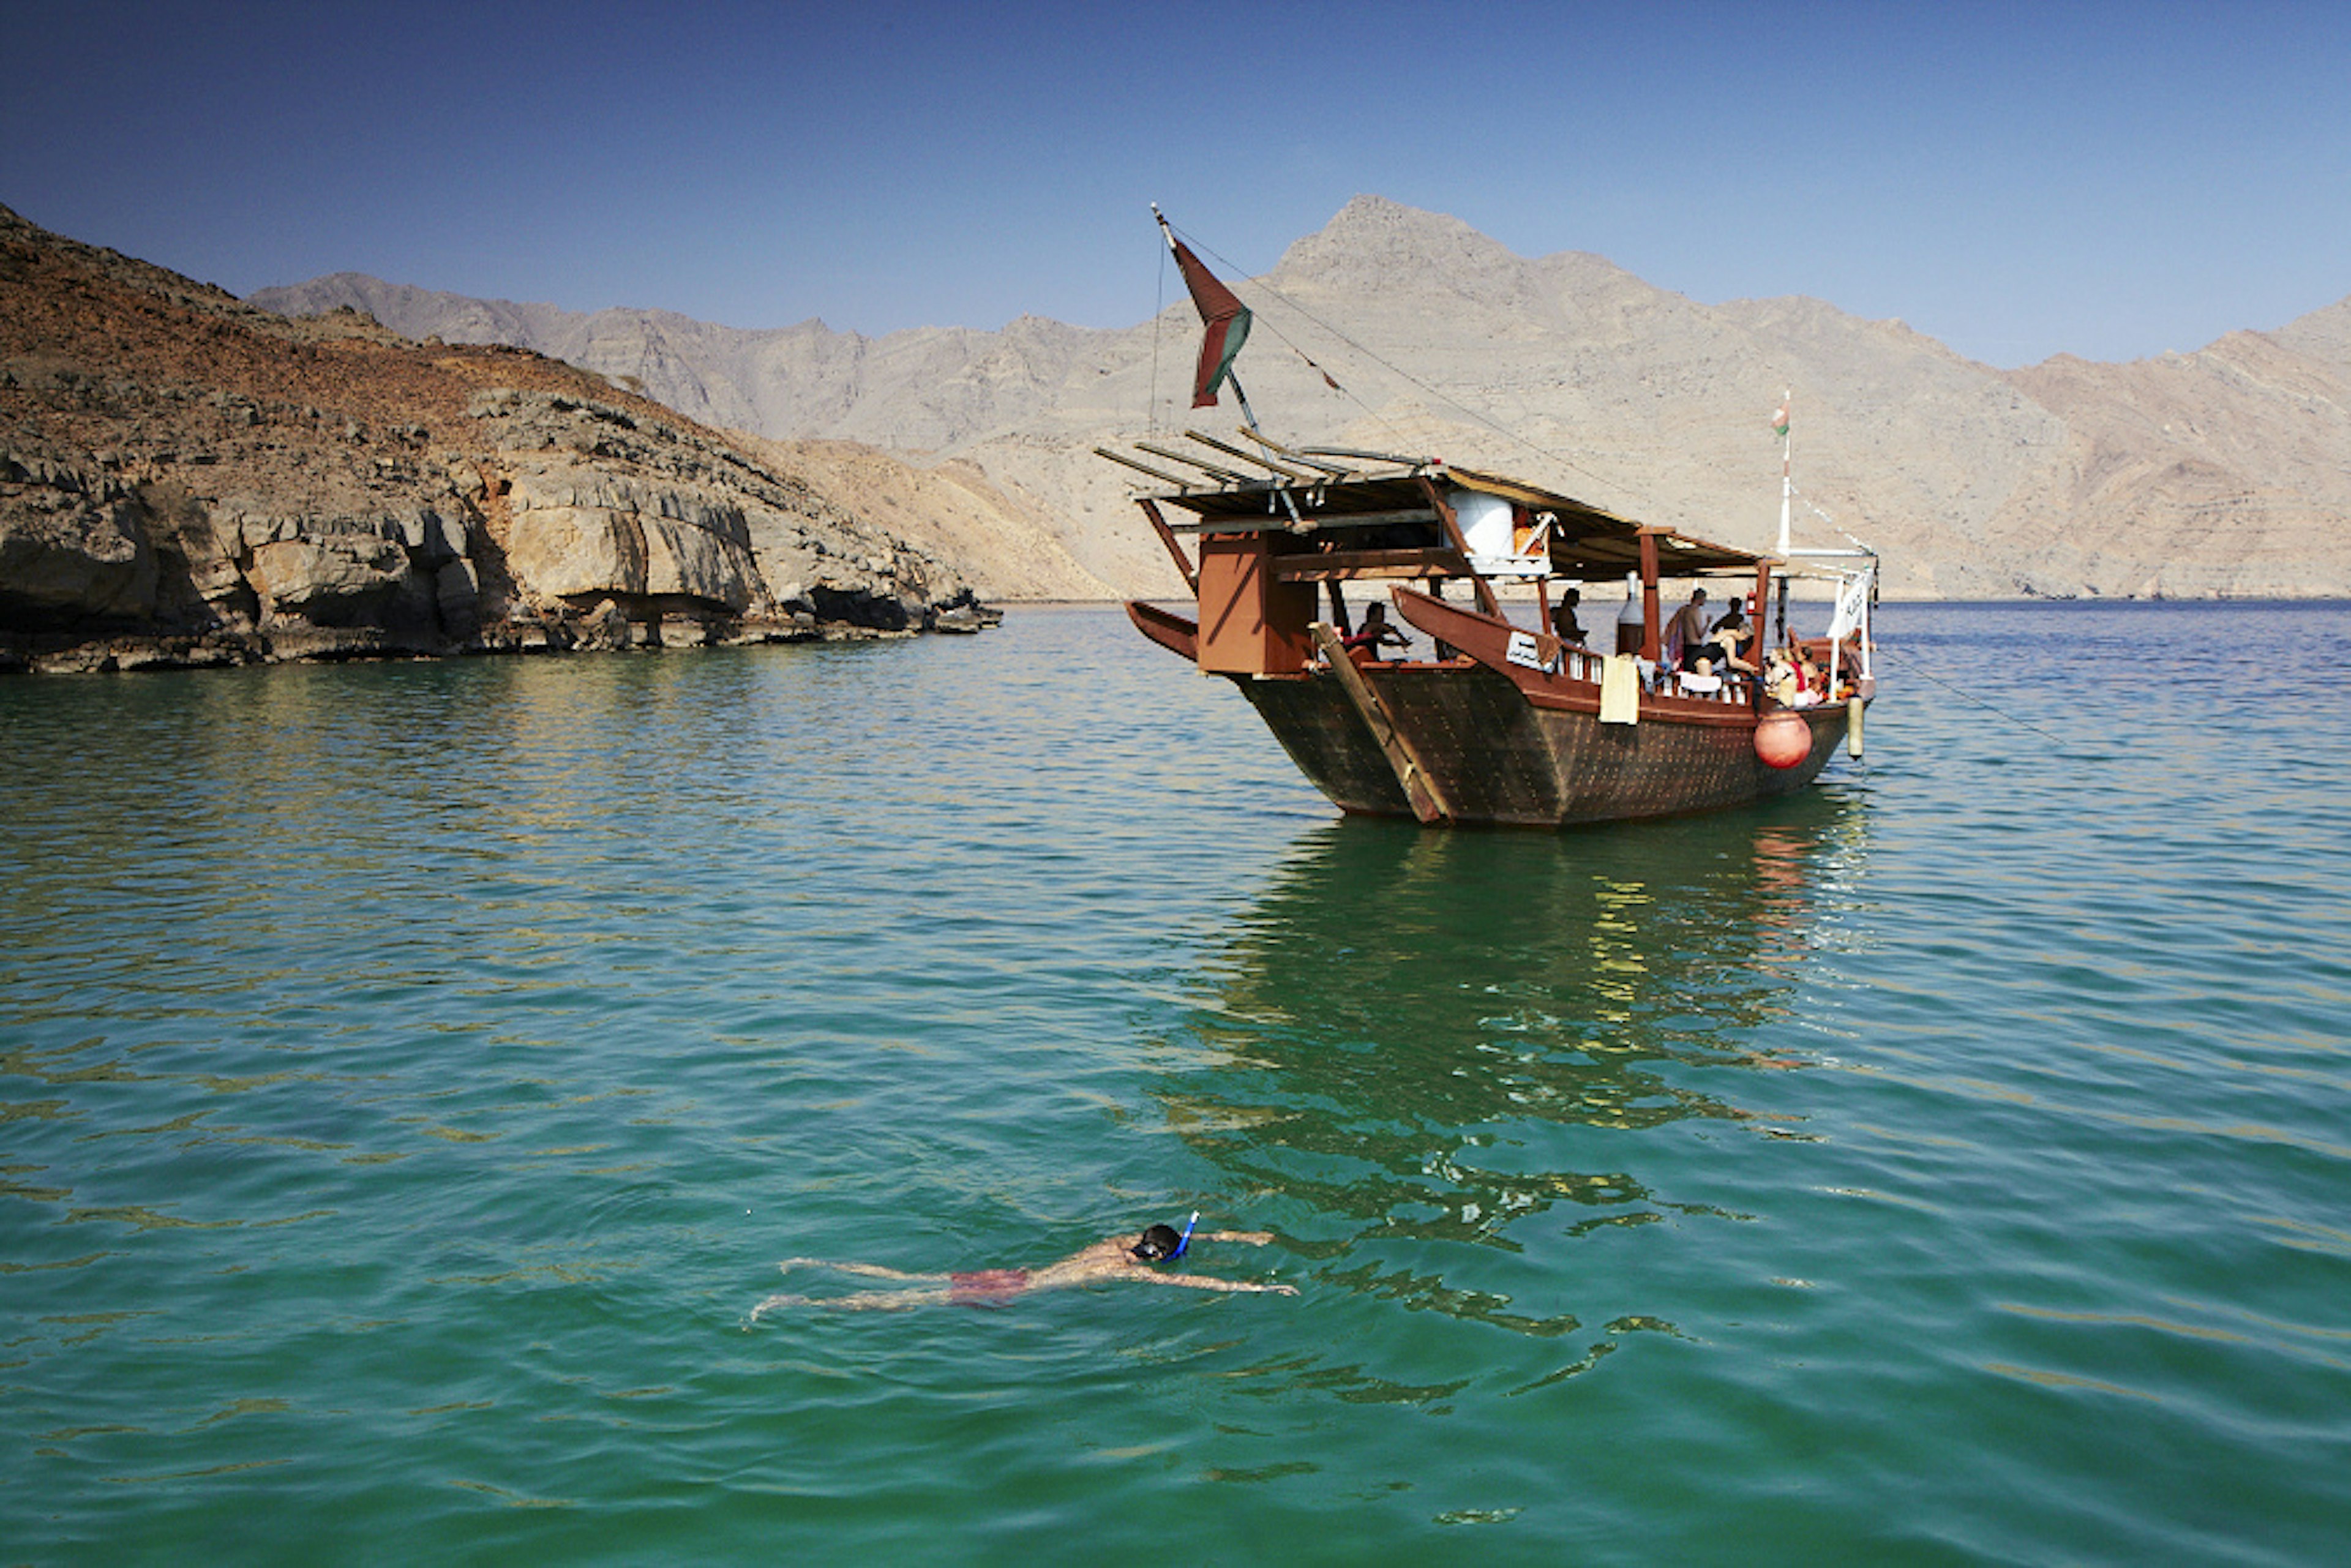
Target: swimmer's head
[[1157, 1244]]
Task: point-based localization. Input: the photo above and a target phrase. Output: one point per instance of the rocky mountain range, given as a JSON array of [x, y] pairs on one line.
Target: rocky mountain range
[[189, 480], [2223, 472]]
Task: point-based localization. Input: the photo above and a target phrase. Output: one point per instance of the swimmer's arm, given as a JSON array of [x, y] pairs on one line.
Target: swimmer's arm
[[1253, 1238], [1207, 1282]]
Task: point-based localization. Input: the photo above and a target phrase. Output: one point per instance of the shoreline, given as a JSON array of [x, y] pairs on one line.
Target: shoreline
[[68, 653]]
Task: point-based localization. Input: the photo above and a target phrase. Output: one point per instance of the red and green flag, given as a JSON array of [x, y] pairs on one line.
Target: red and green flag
[[1779, 420], [1225, 318]]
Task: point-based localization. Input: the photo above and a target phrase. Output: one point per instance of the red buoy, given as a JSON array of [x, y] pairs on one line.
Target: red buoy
[[1782, 739]]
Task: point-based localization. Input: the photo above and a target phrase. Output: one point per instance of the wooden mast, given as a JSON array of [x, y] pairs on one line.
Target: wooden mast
[[1652, 644]]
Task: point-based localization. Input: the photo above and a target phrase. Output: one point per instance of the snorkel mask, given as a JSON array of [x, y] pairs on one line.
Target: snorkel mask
[[1161, 1244]]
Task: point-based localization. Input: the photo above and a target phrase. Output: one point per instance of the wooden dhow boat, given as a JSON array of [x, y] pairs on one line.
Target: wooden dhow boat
[[1500, 723]]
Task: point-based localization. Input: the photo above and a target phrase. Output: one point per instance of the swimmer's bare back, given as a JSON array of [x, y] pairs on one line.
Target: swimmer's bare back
[[1110, 1259]]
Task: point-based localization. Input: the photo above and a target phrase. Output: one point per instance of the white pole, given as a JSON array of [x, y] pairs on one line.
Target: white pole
[[1787, 479]]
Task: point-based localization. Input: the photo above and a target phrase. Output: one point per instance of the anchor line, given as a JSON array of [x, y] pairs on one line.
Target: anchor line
[[1997, 712]]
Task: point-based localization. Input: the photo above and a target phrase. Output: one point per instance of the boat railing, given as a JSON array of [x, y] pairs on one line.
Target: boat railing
[[1732, 693], [1578, 664]]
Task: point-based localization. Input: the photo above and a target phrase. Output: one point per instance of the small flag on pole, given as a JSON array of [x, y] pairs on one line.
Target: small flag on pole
[[1779, 420], [1225, 317]]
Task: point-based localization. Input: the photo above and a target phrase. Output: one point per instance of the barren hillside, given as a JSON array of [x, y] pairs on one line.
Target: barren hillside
[[2218, 473], [187, 479]]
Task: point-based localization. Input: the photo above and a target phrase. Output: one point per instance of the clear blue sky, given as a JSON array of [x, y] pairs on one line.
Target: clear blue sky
[[2111, 180]]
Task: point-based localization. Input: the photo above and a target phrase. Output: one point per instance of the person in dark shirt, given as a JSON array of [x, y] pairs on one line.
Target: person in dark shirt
[[1374, 633], [1563, 623], [1728, 635]]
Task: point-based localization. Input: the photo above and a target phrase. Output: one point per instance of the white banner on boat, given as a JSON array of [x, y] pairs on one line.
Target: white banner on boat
[[1853, 603]]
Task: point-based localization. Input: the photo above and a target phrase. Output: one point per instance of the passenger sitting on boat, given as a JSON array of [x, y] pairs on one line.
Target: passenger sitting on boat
[[1113, 1258], [1700, 679], [1687, 629], [1722, 643], [1811, 682], [1374, 633], [1783, 678], [1563, 622]]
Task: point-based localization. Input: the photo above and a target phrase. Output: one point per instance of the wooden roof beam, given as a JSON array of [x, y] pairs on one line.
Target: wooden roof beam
[[1415, 464], [1347, 565], [1231, 451], [1335, 470], [1227, 474], [1125, 461]]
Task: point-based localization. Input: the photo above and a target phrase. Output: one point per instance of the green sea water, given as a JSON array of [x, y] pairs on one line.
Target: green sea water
[[412, 1075]]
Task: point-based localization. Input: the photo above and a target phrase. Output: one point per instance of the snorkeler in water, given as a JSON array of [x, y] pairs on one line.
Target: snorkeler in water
[[1113, 1258]]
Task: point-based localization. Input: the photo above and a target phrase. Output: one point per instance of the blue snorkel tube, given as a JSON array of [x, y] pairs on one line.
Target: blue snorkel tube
[[1185, 1239]]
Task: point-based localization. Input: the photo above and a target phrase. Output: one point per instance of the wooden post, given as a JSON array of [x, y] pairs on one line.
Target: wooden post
[[1757, 643], [1652, 644], [1174, 547], [1427, 804]]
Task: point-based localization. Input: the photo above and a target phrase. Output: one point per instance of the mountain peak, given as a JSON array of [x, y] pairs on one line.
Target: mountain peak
[[1377, 248], [1373, 234]]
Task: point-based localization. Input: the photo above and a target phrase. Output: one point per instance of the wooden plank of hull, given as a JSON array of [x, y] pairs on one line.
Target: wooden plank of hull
[[1319, 727], [1512, 762], [1498, 760]]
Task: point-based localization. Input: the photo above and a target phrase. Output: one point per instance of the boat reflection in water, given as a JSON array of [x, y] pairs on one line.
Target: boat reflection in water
[[1423, 1041]]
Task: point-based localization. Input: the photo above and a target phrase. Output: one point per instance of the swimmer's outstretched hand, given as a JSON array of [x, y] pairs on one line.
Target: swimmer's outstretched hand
[[1250, 1238]]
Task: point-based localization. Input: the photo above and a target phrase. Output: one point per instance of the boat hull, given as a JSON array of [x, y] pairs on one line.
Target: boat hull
[[1495, 758]]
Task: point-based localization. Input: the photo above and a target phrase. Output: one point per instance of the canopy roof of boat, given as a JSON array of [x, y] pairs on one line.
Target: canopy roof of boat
[[1587, 543]]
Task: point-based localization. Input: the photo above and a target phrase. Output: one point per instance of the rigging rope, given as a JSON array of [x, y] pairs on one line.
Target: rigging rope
[[1809, 506], [1235, 268], [1643, 502], [1159, 309]]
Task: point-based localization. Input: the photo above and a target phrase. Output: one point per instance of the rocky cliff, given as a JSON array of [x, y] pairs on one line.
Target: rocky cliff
[[186, 480], [2216, 472]]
